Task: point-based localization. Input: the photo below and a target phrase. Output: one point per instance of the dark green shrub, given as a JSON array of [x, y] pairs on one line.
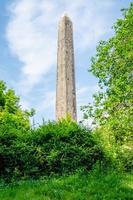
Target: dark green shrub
[[53, 148]]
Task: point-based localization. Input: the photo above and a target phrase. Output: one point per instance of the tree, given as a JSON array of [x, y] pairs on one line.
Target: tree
[[11, 114], [113, 66]]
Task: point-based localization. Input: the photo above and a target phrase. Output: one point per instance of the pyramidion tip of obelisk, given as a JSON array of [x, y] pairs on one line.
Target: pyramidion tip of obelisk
[[65, 15]]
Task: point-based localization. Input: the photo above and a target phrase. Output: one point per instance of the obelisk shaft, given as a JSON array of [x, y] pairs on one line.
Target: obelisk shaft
[[65, 87]]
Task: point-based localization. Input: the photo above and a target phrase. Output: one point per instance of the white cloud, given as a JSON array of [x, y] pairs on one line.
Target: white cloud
[[24, 104], [31, 40], [84, 89], [84, 96], [32, 34], [46, 107], [48, 101]]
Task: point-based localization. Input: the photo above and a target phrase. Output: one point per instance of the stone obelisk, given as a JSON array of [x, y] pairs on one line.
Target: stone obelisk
[[65, 86]]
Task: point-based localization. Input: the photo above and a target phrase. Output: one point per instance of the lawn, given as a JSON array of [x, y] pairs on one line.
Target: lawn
[[80, 186]]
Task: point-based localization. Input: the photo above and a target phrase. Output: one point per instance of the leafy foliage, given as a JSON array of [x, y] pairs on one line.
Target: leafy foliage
[[53, 148], [113, 66], [11, 114]]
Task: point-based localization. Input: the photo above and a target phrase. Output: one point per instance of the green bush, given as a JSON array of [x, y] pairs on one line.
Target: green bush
[[125, 157], [117, 154], [53, 148]]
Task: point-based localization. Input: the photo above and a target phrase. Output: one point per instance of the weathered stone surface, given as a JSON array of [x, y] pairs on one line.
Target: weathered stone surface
[[65, 88]]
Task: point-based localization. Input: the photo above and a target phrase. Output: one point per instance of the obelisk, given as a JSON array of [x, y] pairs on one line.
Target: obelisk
[[65, 86]]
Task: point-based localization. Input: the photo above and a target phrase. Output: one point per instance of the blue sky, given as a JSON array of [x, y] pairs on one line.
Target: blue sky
[[28, 47]]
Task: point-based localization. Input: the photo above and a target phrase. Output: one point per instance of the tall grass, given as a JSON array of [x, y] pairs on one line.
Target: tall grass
[[81, 186]]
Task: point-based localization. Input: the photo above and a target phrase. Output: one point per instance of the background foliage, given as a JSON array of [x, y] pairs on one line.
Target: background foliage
[[112, 109], [11, 113]]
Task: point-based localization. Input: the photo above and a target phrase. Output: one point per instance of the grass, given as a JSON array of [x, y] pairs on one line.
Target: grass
[[89, 186]]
